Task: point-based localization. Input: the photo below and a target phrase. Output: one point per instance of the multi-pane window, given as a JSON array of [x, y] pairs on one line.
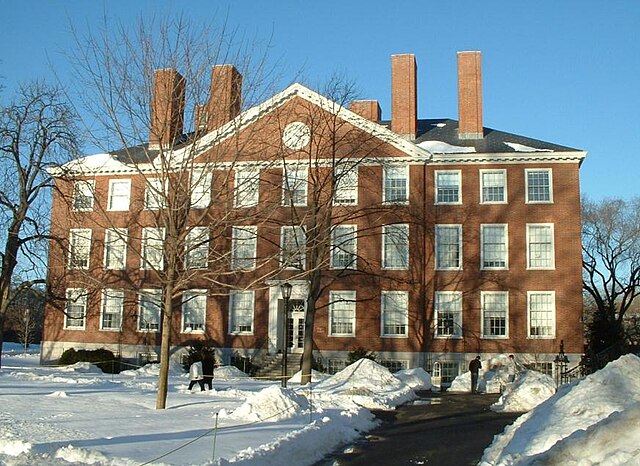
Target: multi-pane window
[[448, 314], [83, 195], [154, 193], [197, 248], [395, 246], [241, 311], [336, 365], [194, 306], [448, 247], [448, 186], [149, 305], [495, 312], [447, 371], [540, 250], [79, 248], [247, 187], [541, 307], [396, 184], [493, 186], [200, 189], [343, 247], [294, 186], [244, 241], [293, 244], [115, 248], [75, 308], [112, 306], [152, 248], [346, 184], [342, 313], [395, 315], [494, 246], [539, 185], [119, 194], [395, 365]]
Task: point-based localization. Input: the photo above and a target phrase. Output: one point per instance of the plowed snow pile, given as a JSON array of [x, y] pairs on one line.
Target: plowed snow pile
[[228, 372], [271, 404], [367, 384], [417, 378], [591, 421], [528, 390], [492, 378]]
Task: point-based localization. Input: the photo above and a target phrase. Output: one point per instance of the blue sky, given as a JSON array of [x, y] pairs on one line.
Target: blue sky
[[560, 71]]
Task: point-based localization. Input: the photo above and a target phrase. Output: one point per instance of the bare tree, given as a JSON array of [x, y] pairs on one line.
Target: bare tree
[[25, 317], [611, 266], [179, 228], [37, 131]]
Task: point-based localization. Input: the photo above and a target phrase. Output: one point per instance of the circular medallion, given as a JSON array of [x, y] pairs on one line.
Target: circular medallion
[[296, 135]]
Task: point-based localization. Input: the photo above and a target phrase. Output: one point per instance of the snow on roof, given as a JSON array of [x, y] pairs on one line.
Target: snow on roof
[[440, 147], [522, 148]]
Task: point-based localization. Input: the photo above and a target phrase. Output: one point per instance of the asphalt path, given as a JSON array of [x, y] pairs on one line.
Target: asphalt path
[[437, 429]]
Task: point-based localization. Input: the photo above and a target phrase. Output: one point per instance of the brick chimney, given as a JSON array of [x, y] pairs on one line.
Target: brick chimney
[[369, 109], [225, 99], [404, 92], [167, 107], [470, 95]]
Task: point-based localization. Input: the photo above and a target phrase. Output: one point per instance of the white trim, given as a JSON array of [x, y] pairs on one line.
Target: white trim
[[146, 236], [436, 302], [81, 297], [435, 246], [190, 295], [297, 168], [235, 259], [253, 178], [553, 246], [113, 181], [354, 263], [119, 234], [342, 296], [233, 309], [149, 292], [483, 334], [155, 200], [200, 184], [481, 172], [553, 315], [506, 244], [340, 174], [386, 167], [406, 232], [526, 185], [91, 185], [302, 247], [83, 234], [382, 309], [435, 187], [116, 294]]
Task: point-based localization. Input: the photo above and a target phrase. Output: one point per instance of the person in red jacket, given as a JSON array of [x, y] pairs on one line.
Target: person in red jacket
[[474, 368]]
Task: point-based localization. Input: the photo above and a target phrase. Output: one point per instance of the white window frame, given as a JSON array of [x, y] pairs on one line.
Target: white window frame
[[483, 237], [112, 299], [438, 235], [527, 171], [189, 298], [436, 176], [155, 190], [244, 239], [196, 245], [484, 332], [148, 236], [343, 305], [112, 204], [344, 247], [501, 171], [389, 246], [115, 239], [79, 297], [299, 190], [154, 297], [83, 190], [247, 187], [550, 226], [383, 310], [552, 318], [201, 189], [346, 184], [298, 231], [82, 235], [396, 172], [452, 297], [234, 300]]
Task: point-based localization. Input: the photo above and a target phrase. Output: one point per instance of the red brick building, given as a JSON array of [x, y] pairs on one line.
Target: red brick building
[[443, 239]]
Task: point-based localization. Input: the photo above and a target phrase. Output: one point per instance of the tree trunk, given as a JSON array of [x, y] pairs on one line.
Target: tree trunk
[[163, 376], [309, 323]]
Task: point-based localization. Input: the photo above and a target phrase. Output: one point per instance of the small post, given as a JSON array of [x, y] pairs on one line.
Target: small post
[[215, 436], [26, 329], [285, 289]]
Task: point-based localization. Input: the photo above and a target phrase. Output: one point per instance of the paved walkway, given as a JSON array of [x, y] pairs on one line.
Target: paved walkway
[[438, 429]]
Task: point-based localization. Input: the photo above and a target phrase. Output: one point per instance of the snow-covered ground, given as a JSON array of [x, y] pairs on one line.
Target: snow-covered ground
[[78, 415]]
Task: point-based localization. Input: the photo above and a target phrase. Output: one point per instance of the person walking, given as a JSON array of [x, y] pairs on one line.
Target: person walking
[[511, 368], [196, 375], [474, 368], [207, 369]]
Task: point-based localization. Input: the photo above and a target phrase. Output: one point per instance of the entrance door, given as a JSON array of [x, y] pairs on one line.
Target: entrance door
[[296, 325]]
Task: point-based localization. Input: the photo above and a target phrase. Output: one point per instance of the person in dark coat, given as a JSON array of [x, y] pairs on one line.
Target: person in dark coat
[[207, 369], [474, 368]]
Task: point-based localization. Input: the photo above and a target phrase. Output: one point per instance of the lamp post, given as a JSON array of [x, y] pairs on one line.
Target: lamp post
[[561, 361], [285, 289]]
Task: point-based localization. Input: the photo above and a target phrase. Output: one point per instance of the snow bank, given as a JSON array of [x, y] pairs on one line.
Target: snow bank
[[153, 370], [367, 384], [12, 446], [563, 425], [492, 378], [526, 392], [228, 372], [417, 379], [440, 147], [82, 368], [315, 377], [82, 456], [271, 404]]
